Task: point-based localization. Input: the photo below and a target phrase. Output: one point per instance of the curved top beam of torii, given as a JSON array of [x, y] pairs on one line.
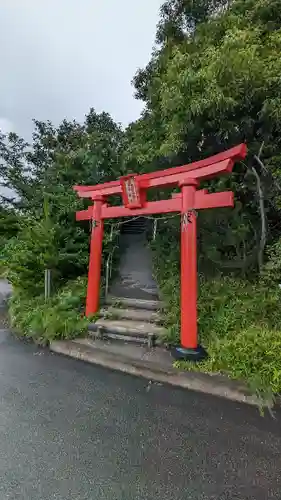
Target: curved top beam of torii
[[208, 168]]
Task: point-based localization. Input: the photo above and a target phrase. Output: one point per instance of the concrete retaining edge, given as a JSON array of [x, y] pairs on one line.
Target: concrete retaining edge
[[194, 381]]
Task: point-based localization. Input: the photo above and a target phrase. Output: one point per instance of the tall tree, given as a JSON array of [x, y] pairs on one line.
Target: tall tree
[[212, 82], [45, 171]]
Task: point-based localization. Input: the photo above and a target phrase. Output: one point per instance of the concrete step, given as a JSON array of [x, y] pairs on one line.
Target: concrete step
[[134, 226], [134, 230], [130, 313], [127, 331], [133, 291], [148, 305]]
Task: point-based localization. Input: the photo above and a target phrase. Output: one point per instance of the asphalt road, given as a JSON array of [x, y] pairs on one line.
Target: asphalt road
[[73, 431]]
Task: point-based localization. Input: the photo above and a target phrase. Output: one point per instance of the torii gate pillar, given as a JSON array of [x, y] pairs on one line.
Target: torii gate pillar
[[188, 296], [94, 273]]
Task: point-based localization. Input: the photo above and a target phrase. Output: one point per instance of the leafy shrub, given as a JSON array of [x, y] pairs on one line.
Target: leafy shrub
[[60, 317], [26, 256], [227, 306], [166, 269], [251, 355], [272, 269], [24, 260]]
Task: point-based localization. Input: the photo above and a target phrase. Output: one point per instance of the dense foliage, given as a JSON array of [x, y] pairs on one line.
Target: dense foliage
[[213, 81], [46, 235], [43, 321]]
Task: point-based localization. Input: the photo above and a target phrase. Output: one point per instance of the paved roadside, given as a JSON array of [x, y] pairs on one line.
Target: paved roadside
[[71, 430]]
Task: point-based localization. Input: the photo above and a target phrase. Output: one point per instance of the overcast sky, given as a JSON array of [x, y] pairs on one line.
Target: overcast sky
[[60, 57]]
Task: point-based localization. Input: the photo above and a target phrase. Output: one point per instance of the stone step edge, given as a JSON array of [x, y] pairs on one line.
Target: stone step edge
[[63, 345], [105, 330], [126, 327], [149, 305], [147, 316], [149, 341]]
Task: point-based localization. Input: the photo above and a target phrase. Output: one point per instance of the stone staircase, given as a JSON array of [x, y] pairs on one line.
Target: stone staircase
[[5, 294], [129, 320], [135, 279], [132, 312]]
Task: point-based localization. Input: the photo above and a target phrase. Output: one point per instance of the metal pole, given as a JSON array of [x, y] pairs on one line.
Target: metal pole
[[47, 283]]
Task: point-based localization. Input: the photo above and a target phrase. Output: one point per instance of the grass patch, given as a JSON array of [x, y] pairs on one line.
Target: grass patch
[[60, 317], [251, 355]]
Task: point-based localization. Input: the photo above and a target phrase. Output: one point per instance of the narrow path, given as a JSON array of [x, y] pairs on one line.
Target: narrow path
[[5, 289], [135, 277], [73, 431]]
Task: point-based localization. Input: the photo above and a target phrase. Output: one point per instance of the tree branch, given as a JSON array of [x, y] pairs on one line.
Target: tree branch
[[263, 219], [263, 167], [260, 194]]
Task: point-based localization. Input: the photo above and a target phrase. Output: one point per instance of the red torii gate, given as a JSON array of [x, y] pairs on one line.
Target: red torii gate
[[133, 189]]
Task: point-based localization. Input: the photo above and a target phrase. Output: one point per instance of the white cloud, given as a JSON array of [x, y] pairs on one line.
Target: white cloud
[[59, 58], [6, 126]]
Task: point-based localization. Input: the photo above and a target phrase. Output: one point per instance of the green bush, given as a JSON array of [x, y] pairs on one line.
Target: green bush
[[24, 259], [60, 317], [227, 306], [251, 355], [27, 255], [272, 270], [166, 270]]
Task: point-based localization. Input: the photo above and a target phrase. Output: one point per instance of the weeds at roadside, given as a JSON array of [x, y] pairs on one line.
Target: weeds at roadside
[[61, 316]]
